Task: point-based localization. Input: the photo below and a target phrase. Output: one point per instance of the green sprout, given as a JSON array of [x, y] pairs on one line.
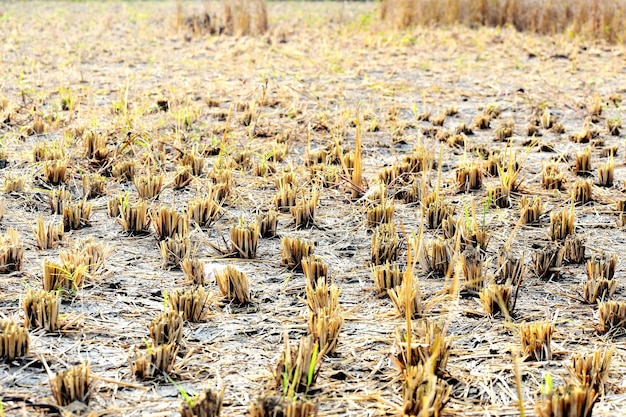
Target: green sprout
[[546, 387], [189, 400], [309, 380], [164, 300]]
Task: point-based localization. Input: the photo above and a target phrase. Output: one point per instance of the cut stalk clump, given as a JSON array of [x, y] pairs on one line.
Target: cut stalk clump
[[72, 384], [535, 339], [497, 298], [612, 315], [68, 277], [148, 186], [268, 223], [407, 297], [530, 211], [11, 252], [511, 268], [547, 262], [386, 276], [166, 328], [552, 177], [567, 401], [93, 254], [182, 177], [429, 347], [592, 369], [473, 265], [48, 235], [59, 199], [583, 162], [76, 215], [233, 284], [581, 191], [168, 222], [380, 213], [204, 210], [14, 341], [124, 170], [562, 224], [435, 209], [280, 406], [133, 217], [194, 270], [314, 268], [438, 256], [174, 250], [41, 310], [601, 266], [285, 199], [244, 240], [322, 295], [574, 249], [207, 404], [469, 177], [154, 361], [298, 366], [606, 173], [190, 303], [93, 186], [304, 211], [292, 250], [423, 393], [14, 183], [194, 161], [325, 325], [385, 244], [55, 171]]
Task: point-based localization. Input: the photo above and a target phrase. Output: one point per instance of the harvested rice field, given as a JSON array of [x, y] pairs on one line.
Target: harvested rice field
[[303, 209]]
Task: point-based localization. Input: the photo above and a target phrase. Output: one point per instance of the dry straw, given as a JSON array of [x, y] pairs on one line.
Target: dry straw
[[76, 215], [72, 384], [14, 341], [268, 223], [133, 217], [41, 310], [153, 361], [385, 244], [592, 369], [166, 328], [175, 250], [207, 404], [47, 235], [244, 239], [536, 339], [233, 284], [612, 315], [11, 252], [276, 406], [148, 185], [386, 276], [190, 303], [167, 222], [194, 270], [292, 250]]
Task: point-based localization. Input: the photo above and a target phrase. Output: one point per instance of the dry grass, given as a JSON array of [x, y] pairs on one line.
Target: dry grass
[[597, 18]]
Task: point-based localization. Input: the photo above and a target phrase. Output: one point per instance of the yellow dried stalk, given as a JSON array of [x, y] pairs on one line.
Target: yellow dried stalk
[[204, 210], [612, 314], [562, 224], [551, 177], [41, 310], [496, 298], [592, 369], [314, 268], [168, 222], [244, 240], [76, 215], [304, 211], [207, 404], [133, 217], [175, 250], [67, 276], [285, 198], [530, 211], [473, 265], [438, 256], [11, 252], [14, 183], [194, 161], [469, 177], [601, 266], [574, 249], [598, 289], [190, 303], [548, 261], [581, 191], [275, 406], [567, 401], [14, 341], [72, 384], [535, 339], [322, 295], [93, 186], [58, 199], [148, 186], [292, 250], [380, 213], [429, 347], [182, 178], [47, 235], [124, 169], [583, 162], [325, 325], [606, 173], [385, 244], [510, 268], [423, 393], [408, 292], [298, 367], [233, 284], [194, 270], [386, 276], [154, 361], [268, 223], [55, 171], [166, 328]]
